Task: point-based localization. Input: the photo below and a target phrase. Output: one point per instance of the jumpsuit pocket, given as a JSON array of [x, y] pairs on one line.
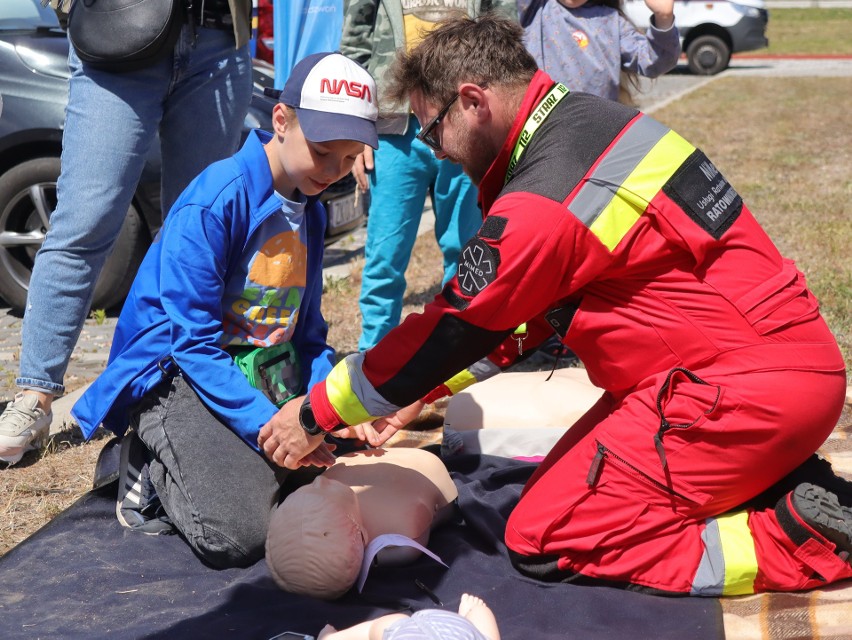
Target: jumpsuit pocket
[[663, 490], [684, 402], [780, 301]]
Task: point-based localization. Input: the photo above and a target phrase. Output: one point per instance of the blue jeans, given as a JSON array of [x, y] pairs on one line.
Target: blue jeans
[[217, 491], [197, 100], [405, 171]]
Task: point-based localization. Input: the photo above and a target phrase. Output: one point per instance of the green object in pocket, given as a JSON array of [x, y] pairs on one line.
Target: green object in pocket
[[273, 370]]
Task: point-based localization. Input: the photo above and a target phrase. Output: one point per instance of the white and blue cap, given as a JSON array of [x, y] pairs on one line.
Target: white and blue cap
[[334, 97]]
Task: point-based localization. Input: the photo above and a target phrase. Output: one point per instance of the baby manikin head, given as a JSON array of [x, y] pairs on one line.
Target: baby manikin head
[[315, 544]]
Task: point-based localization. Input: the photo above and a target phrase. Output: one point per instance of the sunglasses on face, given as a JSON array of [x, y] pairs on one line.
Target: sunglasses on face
[[427, 134]]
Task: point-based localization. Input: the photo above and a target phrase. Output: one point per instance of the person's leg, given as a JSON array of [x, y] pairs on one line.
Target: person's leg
[[457, 214], [621, 506], [480, 616], [398, 186], [204, 113], [111, 121], [216, 490]]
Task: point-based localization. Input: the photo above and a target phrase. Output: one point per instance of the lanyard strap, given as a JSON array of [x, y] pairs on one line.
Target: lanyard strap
[[532, 124]]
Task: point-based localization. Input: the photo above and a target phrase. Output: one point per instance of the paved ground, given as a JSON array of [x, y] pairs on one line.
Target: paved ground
[[90, 355]]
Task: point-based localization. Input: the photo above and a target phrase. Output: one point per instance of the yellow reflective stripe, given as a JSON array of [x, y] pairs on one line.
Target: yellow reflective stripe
[[639, 188], [338, 388], [460, 381], [738, 552]]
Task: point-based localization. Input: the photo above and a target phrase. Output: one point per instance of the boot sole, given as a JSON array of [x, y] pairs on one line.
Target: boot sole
[[822, 511]]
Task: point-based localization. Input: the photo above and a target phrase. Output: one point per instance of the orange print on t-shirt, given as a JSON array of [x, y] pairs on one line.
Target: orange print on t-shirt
[[282, 262]]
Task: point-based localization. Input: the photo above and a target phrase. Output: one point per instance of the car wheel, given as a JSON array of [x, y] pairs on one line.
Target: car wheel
[[27, 199], [708, 55]]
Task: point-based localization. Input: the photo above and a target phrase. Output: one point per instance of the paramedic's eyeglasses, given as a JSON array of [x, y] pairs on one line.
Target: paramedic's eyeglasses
[[427, 134]]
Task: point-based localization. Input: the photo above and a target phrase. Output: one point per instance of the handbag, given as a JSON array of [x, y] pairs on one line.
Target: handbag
[[273, 370], [124, 35]]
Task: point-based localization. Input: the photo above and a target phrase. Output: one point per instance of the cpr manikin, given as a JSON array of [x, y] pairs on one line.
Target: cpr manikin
[[318, 535]]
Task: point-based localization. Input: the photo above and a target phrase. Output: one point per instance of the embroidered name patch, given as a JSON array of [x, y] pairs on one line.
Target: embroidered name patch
[[705, 195], [477, 266]]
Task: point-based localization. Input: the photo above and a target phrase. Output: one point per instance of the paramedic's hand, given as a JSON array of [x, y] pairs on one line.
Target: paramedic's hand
[[380, 430], [363, 165], [398, 420], [287, 444], [663, 12], [366, 432]]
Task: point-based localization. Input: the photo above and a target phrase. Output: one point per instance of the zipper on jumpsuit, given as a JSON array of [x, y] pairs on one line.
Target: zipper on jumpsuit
[[665, 425]]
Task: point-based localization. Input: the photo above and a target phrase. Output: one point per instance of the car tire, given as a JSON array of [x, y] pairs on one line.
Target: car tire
[[708, 55], [27, 198]]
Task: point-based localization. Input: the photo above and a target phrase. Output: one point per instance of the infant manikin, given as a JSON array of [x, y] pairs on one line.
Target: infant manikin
[[317, 537]]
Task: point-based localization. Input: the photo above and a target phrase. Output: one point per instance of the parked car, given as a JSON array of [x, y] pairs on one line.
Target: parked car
[[710, 31], [34, 85]]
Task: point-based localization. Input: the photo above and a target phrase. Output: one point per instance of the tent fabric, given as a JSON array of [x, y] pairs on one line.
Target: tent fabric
[[84, 576]]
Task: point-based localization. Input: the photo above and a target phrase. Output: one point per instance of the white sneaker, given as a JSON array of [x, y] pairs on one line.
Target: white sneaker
[[23, 427]]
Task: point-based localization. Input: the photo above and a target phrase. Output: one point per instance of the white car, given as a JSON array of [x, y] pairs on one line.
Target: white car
[[711, 31]]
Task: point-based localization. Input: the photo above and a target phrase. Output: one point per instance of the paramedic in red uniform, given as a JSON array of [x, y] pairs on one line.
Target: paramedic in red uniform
[[602, 224]]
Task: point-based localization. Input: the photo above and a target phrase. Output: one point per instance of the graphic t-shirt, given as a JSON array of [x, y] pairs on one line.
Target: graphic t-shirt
[[420, 16], [261, 302]]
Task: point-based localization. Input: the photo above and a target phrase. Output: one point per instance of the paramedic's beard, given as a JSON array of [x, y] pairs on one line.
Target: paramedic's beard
[[471, 154]]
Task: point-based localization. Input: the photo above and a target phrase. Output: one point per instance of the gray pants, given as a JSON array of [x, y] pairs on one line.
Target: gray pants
[[217, 491]]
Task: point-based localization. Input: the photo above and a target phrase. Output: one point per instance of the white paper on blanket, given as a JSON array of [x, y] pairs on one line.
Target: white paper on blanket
[[389, 540]]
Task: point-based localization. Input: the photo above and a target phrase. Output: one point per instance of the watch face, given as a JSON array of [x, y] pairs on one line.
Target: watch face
[[308, 421]]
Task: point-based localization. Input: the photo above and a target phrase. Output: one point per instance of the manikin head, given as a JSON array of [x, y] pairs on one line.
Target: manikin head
[[316, 540]]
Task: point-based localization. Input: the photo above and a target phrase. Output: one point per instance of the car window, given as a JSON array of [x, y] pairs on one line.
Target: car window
[[16, 15]]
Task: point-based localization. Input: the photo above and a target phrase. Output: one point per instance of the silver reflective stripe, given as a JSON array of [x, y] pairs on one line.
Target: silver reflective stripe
[[483, 369], [618, 163], [375, 404], [710, 577]]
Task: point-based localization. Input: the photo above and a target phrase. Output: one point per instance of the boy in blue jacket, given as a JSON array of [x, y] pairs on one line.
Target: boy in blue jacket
[[231, 291]]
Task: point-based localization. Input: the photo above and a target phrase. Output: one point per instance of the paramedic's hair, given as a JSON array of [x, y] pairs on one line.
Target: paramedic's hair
[[485, 50]]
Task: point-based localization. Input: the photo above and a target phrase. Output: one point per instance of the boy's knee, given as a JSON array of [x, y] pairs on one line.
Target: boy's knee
[[224, 552]]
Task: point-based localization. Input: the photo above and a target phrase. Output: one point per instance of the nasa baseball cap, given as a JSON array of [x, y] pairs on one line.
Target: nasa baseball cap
[[334, 98]]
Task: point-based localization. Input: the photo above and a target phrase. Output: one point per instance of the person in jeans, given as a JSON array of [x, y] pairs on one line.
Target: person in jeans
[[235, 278], [403, 169], [200, 91]]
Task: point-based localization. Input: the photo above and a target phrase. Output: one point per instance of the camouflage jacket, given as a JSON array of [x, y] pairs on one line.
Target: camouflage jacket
[[372, 32]]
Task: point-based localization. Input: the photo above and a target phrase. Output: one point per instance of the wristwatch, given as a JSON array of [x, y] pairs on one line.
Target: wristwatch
[[307, 418]]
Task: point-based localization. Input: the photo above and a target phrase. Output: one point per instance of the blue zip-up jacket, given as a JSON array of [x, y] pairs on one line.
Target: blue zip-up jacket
[[175, 305]]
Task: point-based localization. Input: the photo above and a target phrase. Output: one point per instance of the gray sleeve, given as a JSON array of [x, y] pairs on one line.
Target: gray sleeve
[[651, 54]]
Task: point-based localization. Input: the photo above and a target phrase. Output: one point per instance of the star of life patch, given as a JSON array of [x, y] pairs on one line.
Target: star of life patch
[[705, 195], [478, 264]]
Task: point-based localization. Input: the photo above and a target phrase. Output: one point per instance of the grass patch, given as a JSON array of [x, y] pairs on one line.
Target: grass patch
[[792, 171], [809, 31]]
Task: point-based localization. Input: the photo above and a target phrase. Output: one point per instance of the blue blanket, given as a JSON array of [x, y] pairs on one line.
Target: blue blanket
[[83, 576]]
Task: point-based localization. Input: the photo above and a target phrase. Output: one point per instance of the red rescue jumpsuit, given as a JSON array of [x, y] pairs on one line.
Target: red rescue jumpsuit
[[720, 374]]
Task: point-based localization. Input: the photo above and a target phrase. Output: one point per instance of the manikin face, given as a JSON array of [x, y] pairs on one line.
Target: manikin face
[[299, 164], [460, 138]]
